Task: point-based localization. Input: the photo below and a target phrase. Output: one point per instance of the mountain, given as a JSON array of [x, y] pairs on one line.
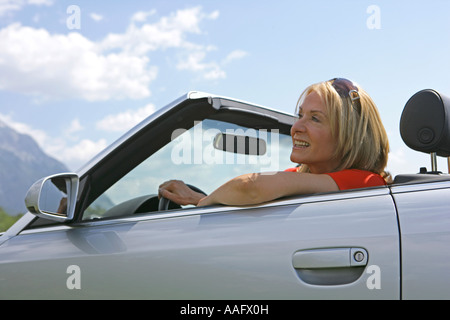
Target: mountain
[[22, 162]]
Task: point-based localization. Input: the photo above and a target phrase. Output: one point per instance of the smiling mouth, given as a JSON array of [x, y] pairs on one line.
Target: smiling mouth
[[300, 144]]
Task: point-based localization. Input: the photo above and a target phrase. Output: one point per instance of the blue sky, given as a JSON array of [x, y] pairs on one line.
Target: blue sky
[[77, 80]]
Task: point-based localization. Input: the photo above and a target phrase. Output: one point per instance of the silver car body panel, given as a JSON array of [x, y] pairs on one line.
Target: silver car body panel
[[424, 219]]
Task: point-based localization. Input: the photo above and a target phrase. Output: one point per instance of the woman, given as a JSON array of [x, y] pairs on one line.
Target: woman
[[338, 139]]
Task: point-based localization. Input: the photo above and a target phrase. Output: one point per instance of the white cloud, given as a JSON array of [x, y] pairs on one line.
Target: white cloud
[[96, 17], [213, 15], [79, 153], [168, 32], [235, 55], [125, 120], [33, 61], [8, 6], [40, 2], [142, 16], [74, 126], [194, 61], [36, 62]]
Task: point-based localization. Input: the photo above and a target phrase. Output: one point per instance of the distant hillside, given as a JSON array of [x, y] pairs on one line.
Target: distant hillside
[[22, 162]]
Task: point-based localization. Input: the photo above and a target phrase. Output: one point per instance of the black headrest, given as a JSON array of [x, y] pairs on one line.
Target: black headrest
[[425, 123]]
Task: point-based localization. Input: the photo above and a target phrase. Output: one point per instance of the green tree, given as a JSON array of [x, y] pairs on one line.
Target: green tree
[[6, 220]]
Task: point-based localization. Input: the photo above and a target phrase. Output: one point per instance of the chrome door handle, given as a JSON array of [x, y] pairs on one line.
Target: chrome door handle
[[330, 266], [329, 258]]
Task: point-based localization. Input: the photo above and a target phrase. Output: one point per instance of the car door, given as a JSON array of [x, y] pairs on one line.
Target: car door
[[425, 233]]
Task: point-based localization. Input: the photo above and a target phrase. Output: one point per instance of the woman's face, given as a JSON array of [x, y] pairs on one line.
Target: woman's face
[[313, 142]]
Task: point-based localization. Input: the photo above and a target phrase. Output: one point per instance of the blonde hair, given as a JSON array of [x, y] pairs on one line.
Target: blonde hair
[[362, 142]]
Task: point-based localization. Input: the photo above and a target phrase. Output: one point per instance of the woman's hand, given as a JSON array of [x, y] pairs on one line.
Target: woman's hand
[[178, 192]]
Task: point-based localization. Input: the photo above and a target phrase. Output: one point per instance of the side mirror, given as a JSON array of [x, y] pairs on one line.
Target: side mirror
[[240, 144], [54, 197]]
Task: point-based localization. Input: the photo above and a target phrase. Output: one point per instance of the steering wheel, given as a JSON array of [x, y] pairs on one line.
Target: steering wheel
[[165, 204]]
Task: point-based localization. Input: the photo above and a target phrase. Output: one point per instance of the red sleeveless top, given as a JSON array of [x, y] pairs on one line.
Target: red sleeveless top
[[353, 178]]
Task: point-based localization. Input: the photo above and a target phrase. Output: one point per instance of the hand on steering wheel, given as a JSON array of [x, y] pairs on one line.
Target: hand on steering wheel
[[176, 191]]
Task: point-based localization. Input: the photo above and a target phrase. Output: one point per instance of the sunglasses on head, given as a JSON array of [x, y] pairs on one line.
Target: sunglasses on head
[[345, 88]]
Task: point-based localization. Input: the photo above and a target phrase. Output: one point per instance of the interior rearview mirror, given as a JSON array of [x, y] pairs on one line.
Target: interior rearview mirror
[[241, 144], [54, 197]]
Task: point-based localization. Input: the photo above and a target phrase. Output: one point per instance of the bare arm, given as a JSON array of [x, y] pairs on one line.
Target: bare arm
[[251, 188], [262, 187]]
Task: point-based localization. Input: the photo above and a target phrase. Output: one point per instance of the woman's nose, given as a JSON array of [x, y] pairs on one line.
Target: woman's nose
[[298, 126]]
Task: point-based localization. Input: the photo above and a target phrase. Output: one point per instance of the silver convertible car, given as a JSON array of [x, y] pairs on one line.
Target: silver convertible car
[[102, 232]]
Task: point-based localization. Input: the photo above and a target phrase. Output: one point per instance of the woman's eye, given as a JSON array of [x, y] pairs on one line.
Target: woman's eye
[[315, 119]]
